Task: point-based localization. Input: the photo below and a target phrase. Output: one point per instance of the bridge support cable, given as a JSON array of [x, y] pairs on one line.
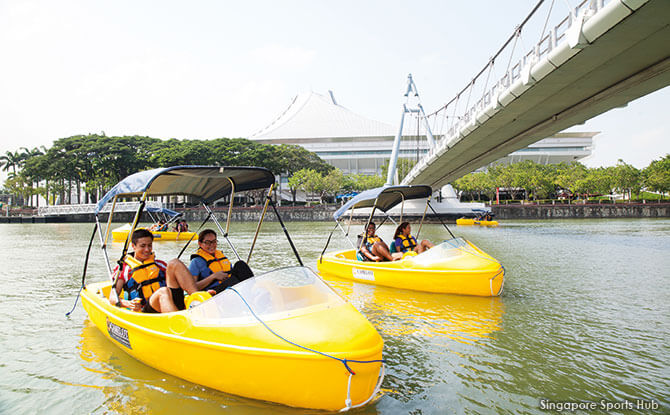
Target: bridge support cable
[[562, 38]]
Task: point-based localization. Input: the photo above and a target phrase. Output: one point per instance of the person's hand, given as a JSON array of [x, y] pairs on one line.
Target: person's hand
[[220, 275], [136, 304]]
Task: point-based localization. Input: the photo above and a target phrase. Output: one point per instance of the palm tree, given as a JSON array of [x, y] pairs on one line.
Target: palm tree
[[11, 161], [27, 154]]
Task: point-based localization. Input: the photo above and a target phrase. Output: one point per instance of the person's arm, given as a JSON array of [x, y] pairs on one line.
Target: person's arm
[[198, 268], [116, 300], [216, 276]]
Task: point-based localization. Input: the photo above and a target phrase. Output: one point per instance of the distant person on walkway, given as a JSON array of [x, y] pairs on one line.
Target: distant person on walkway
[[153, 286], [405, 242], [373, 248], [208, 261]]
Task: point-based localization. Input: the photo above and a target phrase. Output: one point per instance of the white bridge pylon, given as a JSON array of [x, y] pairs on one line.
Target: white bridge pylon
[[411, 91]]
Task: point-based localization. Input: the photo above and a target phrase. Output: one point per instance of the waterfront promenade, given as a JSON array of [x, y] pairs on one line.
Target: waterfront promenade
[[316, 213]]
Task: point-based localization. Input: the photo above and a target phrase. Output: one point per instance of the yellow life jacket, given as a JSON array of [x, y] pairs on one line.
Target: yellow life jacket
[[216, 262], [145, 278], [408, 242], [369, 241]]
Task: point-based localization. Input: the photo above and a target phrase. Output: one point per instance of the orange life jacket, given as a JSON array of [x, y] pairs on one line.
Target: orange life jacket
[[145, 278], [216, 262]]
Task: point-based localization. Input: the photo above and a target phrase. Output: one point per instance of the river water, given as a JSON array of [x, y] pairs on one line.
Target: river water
[[585, 316]]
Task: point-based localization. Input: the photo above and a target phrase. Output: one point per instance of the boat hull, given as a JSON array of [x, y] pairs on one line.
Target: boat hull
[[248, 360], [443, 269], [121, 234], [469, 221]]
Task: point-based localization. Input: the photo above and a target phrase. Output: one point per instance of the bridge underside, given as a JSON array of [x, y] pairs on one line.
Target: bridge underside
[[625, 63]]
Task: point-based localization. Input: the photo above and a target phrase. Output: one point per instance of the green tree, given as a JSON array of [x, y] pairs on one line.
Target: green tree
[[596, 181], [298, 180], [567, 175], [657, 175], [627, 179], [11, 160]]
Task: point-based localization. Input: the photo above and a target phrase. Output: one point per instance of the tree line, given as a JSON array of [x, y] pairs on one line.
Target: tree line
[[537, 181], [80, 169]]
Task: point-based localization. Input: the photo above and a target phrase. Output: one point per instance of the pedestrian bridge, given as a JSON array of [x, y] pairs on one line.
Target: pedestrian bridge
[[602, 55]]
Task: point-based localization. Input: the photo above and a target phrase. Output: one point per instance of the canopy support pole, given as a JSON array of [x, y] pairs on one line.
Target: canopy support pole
[[260, 222], [109, 223], [230, 207], [225, 234], [351, 218], [443, 224], [422, 218], [346, 234], [295, 251], [140, 208], [103, 246], [197, 232], [365, 230], [328, 241]]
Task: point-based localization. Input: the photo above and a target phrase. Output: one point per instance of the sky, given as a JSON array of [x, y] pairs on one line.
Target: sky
[[210, 69]]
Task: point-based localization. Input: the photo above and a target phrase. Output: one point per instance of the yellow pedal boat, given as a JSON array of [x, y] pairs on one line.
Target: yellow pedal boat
[[470, 221], [455, 266], [120, 234], [222, 345], [283, 336]]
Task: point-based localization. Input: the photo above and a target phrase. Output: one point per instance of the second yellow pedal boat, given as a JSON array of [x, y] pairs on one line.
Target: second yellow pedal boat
[[454, 266]]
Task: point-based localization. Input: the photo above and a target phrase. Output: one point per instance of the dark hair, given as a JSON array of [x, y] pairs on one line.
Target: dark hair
[[141, 233], [204, 233], [400, 228]]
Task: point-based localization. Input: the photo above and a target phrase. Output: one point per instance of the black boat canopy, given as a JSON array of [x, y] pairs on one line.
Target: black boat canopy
[[206, 183], [384, 197]]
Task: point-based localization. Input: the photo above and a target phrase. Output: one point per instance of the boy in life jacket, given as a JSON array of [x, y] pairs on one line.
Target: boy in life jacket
[[404, 241], [208, 261], [374, 248], [153, 286]]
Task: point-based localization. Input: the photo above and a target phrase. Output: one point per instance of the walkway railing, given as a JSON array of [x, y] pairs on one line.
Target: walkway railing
[[90, 208], [459, 116]]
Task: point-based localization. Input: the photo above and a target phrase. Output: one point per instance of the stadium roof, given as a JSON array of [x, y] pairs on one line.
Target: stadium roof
[[313, 115]]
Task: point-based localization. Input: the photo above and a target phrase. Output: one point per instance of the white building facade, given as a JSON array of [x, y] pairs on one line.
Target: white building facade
[[356, 144]]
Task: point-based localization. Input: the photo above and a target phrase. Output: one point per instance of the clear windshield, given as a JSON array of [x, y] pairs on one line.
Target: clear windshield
[[275, 294], [447, 249]]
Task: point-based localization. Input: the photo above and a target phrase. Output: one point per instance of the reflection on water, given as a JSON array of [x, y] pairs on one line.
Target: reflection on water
[[402, 313], [130, 387], [584, 316]]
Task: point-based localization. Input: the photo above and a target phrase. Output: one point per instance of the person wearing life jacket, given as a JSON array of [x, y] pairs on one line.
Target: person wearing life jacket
[[152, 285], [404, 241], [373, 248], [208, 262], [182, 226]]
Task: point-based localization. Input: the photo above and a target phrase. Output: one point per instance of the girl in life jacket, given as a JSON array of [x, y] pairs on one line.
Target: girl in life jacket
[[373, 248], [404, 241], [212, 269]]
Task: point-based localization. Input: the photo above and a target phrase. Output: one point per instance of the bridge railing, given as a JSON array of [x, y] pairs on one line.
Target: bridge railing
[[456, 118], [90, 208]]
